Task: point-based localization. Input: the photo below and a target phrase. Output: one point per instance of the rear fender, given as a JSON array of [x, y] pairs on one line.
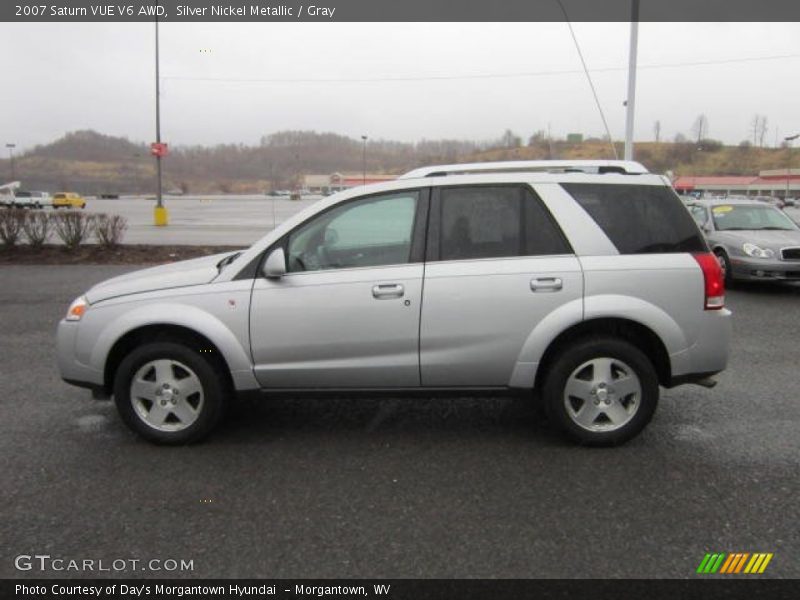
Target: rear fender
[[607, 306]]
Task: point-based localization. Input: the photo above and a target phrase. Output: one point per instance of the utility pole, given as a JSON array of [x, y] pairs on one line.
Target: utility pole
[[11, 159], [364, 159], [789, 140], [160, 215], [631, 101]]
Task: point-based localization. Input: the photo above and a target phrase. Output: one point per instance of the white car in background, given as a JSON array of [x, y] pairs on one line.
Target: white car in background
[[25, 199]]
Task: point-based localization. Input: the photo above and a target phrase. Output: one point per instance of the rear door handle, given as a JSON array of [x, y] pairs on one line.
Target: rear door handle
[[546, 284], [383, 291]]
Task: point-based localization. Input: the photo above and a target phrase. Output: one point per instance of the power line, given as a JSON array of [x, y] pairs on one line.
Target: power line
[[589, 79], [479, 75]]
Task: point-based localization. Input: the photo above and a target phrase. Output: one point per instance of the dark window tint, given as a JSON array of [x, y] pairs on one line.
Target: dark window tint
[[495, 222], [639, 219]]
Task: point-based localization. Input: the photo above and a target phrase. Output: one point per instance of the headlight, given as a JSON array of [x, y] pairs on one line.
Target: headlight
[[76, 309], [757, 252]]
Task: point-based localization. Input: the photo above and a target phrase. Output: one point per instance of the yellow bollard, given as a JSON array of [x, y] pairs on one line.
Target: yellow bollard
[[160, 216]]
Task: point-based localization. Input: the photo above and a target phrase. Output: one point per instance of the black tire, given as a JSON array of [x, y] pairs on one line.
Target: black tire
[[213, 389], [725, 263], [623, 356]]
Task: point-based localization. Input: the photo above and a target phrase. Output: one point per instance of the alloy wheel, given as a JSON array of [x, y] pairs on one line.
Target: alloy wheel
[[602, 394], [166, 395]]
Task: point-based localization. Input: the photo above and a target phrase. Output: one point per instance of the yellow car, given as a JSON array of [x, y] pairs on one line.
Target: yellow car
[[68, 200]]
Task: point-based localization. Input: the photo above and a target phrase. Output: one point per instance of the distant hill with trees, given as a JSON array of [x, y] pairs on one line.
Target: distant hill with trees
[[90, 162]]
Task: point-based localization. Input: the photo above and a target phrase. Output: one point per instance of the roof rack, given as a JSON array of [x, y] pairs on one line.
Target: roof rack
[[625, 167]]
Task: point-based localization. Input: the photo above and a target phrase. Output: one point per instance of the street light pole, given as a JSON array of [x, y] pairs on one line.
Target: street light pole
[[364, 159], [11, 159], [631, 101], [160, 216], [789, 140]]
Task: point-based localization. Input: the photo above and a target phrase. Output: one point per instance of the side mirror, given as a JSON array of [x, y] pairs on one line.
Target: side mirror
[[275, 265]]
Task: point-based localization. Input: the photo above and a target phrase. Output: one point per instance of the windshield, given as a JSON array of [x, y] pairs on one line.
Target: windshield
[[751, 217]]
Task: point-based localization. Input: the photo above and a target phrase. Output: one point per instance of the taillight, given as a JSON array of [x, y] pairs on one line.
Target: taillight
[[714, 281]]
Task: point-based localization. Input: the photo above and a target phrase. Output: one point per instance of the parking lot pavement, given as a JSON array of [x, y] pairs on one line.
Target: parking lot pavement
[[214, 220], [400, 488], [202, 220]]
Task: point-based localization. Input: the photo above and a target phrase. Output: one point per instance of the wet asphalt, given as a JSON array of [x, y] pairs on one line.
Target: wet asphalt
[[399, 488]]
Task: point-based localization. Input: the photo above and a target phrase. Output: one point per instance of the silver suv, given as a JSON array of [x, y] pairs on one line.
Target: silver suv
[[583, 285]]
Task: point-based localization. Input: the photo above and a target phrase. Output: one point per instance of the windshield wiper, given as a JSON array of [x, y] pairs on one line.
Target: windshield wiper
[[227, 260]]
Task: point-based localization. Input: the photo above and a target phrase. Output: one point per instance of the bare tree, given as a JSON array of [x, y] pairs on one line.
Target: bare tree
[[539, 137], [700, 127], [758, 127], [762, 133], [657, 131], [509, 140]]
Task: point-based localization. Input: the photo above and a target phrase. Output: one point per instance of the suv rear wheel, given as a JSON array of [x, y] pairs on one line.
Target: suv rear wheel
[[168, 393], [601, 391]]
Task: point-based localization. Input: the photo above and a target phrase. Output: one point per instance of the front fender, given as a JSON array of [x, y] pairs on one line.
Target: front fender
[[183, 315]]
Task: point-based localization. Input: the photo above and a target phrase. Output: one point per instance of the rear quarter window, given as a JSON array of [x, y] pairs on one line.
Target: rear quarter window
[[639, 219]]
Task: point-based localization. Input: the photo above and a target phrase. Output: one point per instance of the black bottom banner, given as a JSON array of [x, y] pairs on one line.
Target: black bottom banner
[[399, 589]]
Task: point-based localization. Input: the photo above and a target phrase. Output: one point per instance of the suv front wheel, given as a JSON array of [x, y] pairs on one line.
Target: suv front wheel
[[601, 391], [168, 393]]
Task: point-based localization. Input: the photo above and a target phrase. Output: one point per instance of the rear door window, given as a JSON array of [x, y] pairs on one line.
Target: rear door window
[[495, 222], [639, 219]]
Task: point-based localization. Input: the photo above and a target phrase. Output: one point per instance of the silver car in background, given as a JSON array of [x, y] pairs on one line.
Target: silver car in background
[[753, 240], [583, 285]]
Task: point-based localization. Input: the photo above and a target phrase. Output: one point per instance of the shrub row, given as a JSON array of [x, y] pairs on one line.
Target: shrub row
[[73, 228]]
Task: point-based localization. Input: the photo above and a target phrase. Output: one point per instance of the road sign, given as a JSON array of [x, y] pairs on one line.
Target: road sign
[[158, 149]]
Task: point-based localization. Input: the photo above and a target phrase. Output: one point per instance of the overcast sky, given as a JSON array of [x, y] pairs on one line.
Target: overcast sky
[[64, 77]]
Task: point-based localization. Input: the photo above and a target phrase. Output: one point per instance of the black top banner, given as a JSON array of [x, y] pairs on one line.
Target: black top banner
[[397, 10]]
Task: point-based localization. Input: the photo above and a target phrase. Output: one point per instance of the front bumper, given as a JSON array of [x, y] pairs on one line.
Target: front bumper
[[72, 371], [759, 269]]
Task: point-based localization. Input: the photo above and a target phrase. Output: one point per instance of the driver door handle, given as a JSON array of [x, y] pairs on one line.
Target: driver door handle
[[383, 291], [546, 284]]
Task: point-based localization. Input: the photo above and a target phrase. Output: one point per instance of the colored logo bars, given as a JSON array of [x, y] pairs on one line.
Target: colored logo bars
[[734, 563]]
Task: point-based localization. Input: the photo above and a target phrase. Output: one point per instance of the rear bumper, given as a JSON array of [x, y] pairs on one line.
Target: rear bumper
[[709, 354]]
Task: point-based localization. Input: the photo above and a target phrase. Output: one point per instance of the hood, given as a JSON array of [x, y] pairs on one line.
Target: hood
[[195, 271], [769, 238]]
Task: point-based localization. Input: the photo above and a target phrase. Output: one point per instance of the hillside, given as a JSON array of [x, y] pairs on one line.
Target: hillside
[[684, 158], [91, 163]]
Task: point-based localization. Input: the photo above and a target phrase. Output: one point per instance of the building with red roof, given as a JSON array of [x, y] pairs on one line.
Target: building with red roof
[[335, 182], [766, 183]]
